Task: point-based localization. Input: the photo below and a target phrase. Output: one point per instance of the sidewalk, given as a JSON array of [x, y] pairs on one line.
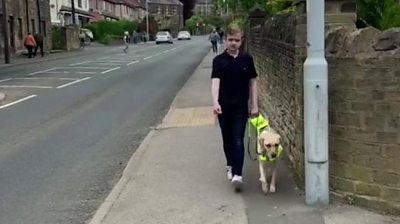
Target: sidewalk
[[178, 176]]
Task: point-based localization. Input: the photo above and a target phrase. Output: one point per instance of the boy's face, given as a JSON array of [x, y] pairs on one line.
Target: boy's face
[[234, 41]]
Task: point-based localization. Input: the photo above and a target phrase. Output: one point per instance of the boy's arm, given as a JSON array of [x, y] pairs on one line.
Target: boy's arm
[[253, 97], [215, 95]]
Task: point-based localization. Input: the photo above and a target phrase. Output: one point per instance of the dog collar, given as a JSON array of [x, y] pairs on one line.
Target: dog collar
[[265, 158]]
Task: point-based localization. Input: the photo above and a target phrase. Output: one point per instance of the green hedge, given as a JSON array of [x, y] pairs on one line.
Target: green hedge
[[104, 31], [381, 14], [57, 38]]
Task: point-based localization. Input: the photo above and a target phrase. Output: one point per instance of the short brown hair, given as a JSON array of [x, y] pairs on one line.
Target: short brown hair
[[233, 28]]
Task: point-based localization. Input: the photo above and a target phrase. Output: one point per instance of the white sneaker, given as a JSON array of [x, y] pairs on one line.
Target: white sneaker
[[237, 182], [229, 172]]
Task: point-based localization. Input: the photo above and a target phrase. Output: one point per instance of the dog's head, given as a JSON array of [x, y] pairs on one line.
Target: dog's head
[[269, 144]]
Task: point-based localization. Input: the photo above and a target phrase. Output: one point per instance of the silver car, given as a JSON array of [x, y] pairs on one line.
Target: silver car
[[164, 37]]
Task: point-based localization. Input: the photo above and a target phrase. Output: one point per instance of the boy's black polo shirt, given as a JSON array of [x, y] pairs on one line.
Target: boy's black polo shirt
[[234, 75]]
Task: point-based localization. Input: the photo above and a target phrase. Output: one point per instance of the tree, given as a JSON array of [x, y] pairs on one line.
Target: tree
[[381, 14]]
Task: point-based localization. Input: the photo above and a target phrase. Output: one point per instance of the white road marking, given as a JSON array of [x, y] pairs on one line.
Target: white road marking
[[158, 54], [72, 83], [5, 80], [110, 70], [87, 67], [104, 58], [33, 87], [17, 101], [67, 79], [86, 72], [166, 51], [172, 49], [47, 70], [147, 57], [80, 63], [133, 62]]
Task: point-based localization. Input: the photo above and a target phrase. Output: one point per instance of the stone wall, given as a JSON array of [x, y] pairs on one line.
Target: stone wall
[[364, 116], [364, 104]]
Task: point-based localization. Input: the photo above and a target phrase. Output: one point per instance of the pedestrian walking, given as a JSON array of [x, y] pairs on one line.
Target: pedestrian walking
[[221, 36], [126, 41], [213, 38], [30, 44], [234, 94], [39, 44]]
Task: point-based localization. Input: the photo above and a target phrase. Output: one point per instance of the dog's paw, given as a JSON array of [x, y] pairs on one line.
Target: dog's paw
[[264, 187], [272, 189]]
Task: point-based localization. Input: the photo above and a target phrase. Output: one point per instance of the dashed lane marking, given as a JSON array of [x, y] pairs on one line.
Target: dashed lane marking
[[110, 70], [133, 62], [17, 101], [72, 83]]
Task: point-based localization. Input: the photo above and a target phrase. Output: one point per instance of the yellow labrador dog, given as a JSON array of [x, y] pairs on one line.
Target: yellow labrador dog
[[269, 150]]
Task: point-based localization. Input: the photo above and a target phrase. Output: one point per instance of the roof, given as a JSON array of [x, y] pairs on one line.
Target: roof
[[166, 2], [204, 2]]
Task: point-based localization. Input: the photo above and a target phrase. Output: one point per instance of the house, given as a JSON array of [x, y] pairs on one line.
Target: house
[[203, 7], [168, 13], [116, 9], [61, 12], [23, 17]]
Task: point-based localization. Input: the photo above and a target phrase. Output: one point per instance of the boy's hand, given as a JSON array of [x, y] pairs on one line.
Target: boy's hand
[[217, 109], [254, 111]]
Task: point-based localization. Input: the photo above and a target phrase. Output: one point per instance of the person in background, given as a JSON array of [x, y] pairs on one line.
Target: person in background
[[39, 44], [30, 44], [82, 38], [126, 41], [214, 38]]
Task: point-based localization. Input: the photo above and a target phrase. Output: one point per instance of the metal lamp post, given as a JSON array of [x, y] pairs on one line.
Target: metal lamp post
[[147, 19], [316, 108]]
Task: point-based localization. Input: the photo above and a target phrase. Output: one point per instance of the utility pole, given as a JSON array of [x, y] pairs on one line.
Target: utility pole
[[147, 19], [73, 11], [5, 33], [316, 108], [39, 15], [27, 14]]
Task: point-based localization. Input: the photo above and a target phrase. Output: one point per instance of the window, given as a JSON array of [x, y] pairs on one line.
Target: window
[[33, 26], [158, 10], [80, 3], [12, 31], [20, 31], [174, 10]]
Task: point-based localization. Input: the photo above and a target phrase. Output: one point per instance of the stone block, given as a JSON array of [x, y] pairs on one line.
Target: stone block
[[386, 178], [358, 173], [341, 184], [391, 194], [367, 189], [388, 40]]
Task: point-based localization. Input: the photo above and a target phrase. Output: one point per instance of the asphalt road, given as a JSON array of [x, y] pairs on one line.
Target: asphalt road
[[69, 126]]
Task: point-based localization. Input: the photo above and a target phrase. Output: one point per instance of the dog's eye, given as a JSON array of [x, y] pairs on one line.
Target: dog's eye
[[276, 145], [268, 145]]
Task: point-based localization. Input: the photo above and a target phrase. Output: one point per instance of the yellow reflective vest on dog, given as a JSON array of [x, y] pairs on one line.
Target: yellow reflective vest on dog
[[259, 123]]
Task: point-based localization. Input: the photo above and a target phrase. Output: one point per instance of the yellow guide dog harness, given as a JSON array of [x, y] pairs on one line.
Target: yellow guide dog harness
[[260, 123]]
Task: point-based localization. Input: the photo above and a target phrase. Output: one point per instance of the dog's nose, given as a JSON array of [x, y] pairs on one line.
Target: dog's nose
[[273, 155]]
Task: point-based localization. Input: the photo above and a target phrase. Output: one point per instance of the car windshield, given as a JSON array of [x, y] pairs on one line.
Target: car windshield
[[162, 34]]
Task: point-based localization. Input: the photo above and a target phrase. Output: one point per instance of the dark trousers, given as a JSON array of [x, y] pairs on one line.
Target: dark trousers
[[214, 46], [30, 50], [233, 125], [36, 49]]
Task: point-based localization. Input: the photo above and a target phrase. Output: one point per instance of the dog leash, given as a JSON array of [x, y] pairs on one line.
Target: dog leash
[[249, 139]]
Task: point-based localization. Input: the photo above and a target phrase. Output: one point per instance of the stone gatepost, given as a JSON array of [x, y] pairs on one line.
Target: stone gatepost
[[340, 13], [256, 17]]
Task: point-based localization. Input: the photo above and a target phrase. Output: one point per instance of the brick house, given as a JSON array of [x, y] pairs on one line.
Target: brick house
[[116, 9], [61, 12], [23, 17], [203, 7], [168, 13]]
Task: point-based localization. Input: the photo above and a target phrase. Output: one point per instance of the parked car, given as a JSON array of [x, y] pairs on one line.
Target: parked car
[[164, 37], [184, 35]]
